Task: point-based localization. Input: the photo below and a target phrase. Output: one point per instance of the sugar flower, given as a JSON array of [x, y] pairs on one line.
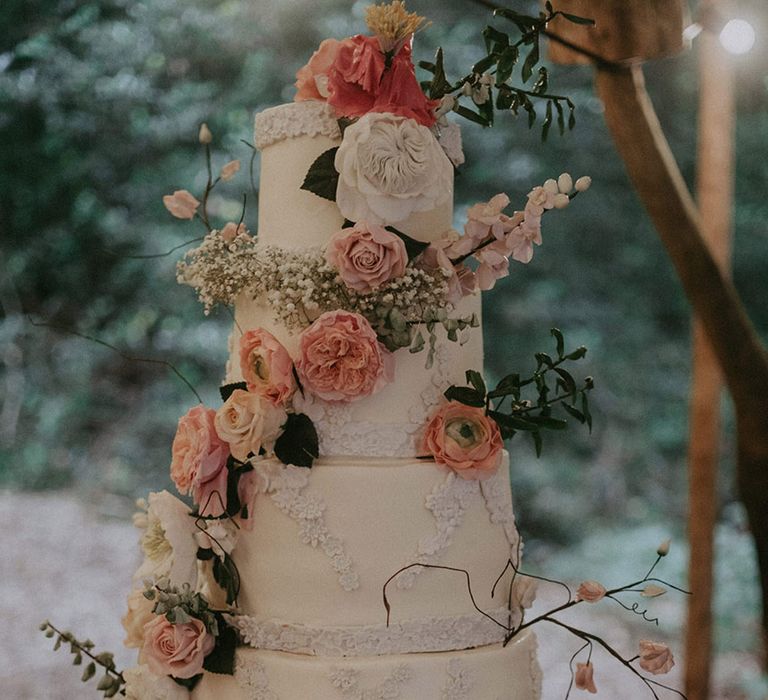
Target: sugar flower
[[176, 649], [464, 439], [231, 230], [655, 657], [392, 24], [590, 591], [583, 678], [181, 204], [266, 366], [229, 170], [204, 136], [196, 448], [312, 79], [247, 422]]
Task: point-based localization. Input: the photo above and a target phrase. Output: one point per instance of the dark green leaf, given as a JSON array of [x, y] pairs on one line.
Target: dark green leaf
[[547, 121], [413, 248], [222, 658], [322, 177], [485, 63], [571, 117], [577, 354], [575, 412], [225, 573], [530, 61], [494, 36], [465, 395], [508, 385], [578, 20], [188, 683], [585, 410], [558, 336], [476, 380], [205, 554], [541, 83], [506, 65], [543, 359], [512, 422], [427, 66], [548, 422], [567, 378], [560, 117], [469, 114], [228, 389], [298, 444], [536, 437], [524, 22], [88, 672]]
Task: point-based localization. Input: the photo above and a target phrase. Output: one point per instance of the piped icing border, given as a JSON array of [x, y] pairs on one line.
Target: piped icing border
[[309, 118]]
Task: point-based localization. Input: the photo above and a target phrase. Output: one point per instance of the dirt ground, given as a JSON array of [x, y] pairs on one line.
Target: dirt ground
[[64, 561]]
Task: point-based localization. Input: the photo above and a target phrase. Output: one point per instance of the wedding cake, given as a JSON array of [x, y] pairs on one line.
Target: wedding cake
[[352, 533]]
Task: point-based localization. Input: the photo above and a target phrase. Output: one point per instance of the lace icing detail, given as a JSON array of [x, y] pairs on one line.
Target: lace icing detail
[[408, 636], [309, 118], [498, 501], [286, 483], [447, 502], [252, 679], [459, 683], [537, 675], [347, 680]]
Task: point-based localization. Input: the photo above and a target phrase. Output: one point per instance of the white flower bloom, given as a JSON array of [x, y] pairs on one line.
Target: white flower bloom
[[390, 167], [168, 541], [565, 183], [142, 684], [449, 138], [524, 591], [220, 536]]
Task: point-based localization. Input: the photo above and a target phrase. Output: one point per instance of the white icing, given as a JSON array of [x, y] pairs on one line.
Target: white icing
[[308, 118], [409, 636], [460, 681], [346, 680], [253, 681]]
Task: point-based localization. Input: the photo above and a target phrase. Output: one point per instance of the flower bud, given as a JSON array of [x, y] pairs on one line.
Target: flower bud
[[551, 186], [663, 549], [561, 200], [205, 136], [565, 183], [583, 183]]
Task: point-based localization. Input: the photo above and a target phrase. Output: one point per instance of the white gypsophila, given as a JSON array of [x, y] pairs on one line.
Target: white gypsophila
[[168, 541], [390, 167], [449, 138], [142, 684]]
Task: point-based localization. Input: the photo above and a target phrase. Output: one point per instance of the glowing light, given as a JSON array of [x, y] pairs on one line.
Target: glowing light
[[737, 36]]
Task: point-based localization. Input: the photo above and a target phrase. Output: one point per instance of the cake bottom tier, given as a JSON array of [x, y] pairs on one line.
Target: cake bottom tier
[[491, 672]]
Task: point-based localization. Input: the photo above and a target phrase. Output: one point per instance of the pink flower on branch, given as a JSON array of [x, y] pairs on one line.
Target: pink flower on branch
[[583, 679], [590, 591], [655, 657], [181, 204]]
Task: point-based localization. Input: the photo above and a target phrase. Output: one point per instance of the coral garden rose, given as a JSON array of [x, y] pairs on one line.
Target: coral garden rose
[[390, 167], [181, 204], [366, 256], [248, 422], [196, 448], [312, 79], [584, 677], [590, 591], [465, 439], [341, 359], [138, 614], [266, 366], [176, 650], [655, 657]]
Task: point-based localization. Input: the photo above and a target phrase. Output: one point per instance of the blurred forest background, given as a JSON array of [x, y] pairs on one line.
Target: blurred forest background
[[100, 104]]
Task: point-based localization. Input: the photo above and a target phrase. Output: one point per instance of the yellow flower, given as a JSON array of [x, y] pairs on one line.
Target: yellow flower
[[392, 24]]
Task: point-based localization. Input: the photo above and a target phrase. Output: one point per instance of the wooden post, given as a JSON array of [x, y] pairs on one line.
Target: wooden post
[[714, 190]]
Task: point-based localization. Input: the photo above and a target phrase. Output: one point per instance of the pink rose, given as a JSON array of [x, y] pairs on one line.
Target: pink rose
[[176, 650], [366, 256], [139, 614], [341, 359], [655, 657], [248, 422], [266, 366], [196, 448], [465, 439], [583, 679], [590, 591], [312, 79], [181, 204]]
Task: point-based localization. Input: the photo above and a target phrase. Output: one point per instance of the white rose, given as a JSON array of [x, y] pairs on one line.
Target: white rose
[[142, 684], [248, 422], [390, 167]]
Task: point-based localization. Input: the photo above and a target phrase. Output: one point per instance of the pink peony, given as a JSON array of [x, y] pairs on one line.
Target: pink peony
[[181, 204], [197, 448], [360, 82], [176, 650], [341, 359], [655, 657], [248, 422], [465, 439], [366, 256], [590, 591], [583, 679], [266, 366], [312, 79]]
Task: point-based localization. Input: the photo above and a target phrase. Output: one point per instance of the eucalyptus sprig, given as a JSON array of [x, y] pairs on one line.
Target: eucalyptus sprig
[[495, 70], [111, 683], [532, 415]]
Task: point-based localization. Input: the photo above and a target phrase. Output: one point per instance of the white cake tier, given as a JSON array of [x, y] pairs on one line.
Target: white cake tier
[[388, 423], [487, 673], [323, 542], [290, 138]]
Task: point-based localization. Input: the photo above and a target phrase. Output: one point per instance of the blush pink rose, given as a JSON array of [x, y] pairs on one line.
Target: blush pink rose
[[176, 650], [197, 448], [341, 359], [248, 422], [590, 591], [312, 79], [655, 657], [266, 366], [366, 256], [465, 439], [584, 677]]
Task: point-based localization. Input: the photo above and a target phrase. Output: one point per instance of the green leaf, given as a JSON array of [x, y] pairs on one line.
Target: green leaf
[[298, 444], [322, 177], [225, 573], [222, 658], [88, 672], [485, 63], [530, 61], [560, 117], [578, 20], [547, 121], [543, 359], [560, 340], [427, 66], [577, 354], [476, 380], [465, 395], [506, 64], [508, 385], [567, 378], [413, 248], [524, 22], [495, 37], [188, 683], [228, 389], [469, 114], [549, 423], [585, 410], [512, 422], [542, 81], [537, 443], [418, 343], [571, 116], [575, 412]]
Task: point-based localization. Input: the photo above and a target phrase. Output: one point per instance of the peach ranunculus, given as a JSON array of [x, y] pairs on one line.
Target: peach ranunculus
[[138, 614], [590, 591], [176, 650], [312, 79], [465, 439], [583, 678], [197, 449], [341, 359], [248, 422], [366, 256], [181, 204], [266, 366], [655, 657]]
